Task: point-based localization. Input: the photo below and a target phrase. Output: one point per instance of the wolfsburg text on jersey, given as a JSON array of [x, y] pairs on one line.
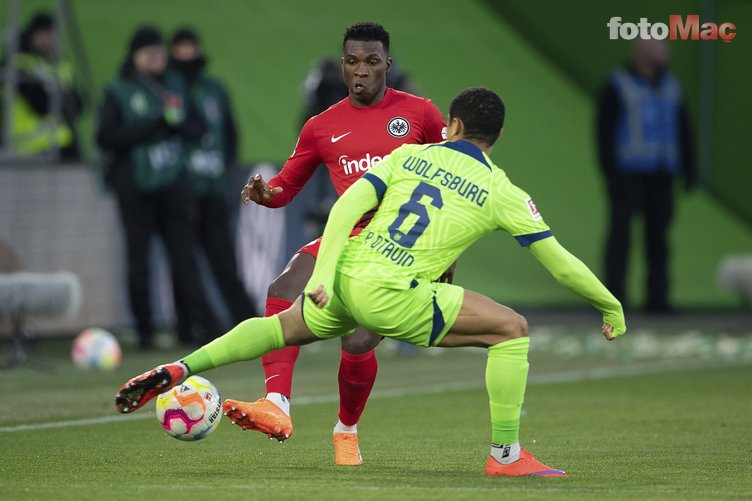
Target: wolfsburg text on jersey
[[464, 187]]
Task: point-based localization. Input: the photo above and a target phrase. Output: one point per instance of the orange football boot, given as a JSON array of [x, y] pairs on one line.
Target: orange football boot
[[346, 450], [262, 415], [527, 465]]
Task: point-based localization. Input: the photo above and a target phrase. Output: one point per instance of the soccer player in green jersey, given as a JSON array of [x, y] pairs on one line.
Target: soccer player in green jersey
[[435, 201]]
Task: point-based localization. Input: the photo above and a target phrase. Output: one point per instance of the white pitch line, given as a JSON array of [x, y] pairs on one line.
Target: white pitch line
[[568, 376]]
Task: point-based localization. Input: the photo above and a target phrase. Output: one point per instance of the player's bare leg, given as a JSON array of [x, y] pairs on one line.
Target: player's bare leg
[[357, 373], [485, 323]]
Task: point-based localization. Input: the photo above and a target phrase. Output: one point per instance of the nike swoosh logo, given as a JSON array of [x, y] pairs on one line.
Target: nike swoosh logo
[[335, 139], [270, 377]]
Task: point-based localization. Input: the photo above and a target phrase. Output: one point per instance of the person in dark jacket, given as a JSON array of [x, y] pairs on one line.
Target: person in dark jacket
[[209, 161], [644, 144], [143, 122]]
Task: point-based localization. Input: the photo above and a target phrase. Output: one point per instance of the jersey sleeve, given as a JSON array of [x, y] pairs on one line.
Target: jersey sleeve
[[435, 124], [346, 211], [297, 170], [516, 213]]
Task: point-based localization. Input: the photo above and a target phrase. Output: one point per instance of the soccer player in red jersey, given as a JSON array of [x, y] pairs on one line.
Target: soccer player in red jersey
[[349, 137]]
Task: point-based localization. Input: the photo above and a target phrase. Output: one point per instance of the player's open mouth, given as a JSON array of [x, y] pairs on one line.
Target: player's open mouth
[[358, 86]]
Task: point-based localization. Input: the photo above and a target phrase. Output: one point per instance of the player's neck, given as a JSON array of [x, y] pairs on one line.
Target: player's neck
[[482, 146], [376, 99]]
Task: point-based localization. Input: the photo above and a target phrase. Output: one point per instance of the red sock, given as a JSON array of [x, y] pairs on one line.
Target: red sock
[[279, 364], [357, 374]]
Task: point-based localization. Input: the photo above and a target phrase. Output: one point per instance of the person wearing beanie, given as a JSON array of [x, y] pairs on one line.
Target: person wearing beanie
[[37, 127], [144, 120], [209, 162]]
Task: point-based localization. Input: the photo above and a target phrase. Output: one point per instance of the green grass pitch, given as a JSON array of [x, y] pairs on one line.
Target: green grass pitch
[[622, 420]]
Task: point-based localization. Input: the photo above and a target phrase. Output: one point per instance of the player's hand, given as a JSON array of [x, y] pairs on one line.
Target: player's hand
[[448, 276], [613, 328], [614, 324], [319, 296], [256, 190]]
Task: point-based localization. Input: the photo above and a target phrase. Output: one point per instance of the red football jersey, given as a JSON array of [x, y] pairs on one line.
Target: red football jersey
[[349, 140]]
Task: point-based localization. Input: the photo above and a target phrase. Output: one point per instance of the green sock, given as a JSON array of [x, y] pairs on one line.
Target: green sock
[[506, 378], [248, 340]]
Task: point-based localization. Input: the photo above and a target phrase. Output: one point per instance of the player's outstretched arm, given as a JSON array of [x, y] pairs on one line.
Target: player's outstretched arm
[[575, 276], [359, 198]]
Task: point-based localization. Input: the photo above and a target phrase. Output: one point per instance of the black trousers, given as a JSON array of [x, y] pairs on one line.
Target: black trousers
[[212, 224], [165, 213], [649, 195]]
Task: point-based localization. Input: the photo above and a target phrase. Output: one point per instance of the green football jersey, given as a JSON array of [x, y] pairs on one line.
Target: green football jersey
[[436, 201]]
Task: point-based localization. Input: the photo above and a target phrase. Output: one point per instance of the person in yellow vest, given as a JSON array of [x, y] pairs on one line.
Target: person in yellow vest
[[36, 127]]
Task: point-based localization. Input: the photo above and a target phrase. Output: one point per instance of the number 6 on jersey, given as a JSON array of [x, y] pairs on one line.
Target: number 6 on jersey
[[413, 206]]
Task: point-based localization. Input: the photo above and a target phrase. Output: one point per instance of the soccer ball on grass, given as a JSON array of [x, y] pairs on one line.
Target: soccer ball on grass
[[96, 349], [191, 410]]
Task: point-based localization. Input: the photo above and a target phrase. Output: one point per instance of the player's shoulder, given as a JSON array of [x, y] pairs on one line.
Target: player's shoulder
[[407, 149], [333, 114], [334, 110], [402, 98]]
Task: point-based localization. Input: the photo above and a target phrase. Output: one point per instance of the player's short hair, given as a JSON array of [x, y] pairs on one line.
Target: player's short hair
[[367, 32], [481, 111]]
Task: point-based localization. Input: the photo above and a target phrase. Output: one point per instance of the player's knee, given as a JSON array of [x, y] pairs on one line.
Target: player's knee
[[360, 342], [283, 288], [290, 283], [521, 326], [517, 327]]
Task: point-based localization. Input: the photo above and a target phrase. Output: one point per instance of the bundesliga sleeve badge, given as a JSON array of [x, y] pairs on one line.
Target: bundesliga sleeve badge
[[533, 210]]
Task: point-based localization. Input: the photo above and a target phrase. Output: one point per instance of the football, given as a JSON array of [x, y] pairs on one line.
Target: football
[[96, 349], [190, 411]]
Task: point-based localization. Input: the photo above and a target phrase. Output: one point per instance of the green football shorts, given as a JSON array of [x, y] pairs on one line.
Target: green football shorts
[[421, 315]]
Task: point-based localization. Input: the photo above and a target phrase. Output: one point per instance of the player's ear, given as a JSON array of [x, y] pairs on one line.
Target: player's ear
[[455, 128], [388, 64]]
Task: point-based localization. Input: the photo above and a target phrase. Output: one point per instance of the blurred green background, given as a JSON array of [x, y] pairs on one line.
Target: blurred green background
[[546, 58]]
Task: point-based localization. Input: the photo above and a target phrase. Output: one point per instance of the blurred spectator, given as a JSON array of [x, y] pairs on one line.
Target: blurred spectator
[[209, 161], [644, 142], [145, 116], [41, 81]]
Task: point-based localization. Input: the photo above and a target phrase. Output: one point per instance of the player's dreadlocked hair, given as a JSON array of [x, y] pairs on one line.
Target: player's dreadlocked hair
[[482, 112], [367, 32]]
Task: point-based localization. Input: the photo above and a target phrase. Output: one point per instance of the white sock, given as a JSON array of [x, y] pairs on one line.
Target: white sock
[[505, 453], [280, 401], [343, 428]]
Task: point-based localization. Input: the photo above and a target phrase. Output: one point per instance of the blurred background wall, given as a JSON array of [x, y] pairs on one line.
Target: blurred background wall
[[547, 59]]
